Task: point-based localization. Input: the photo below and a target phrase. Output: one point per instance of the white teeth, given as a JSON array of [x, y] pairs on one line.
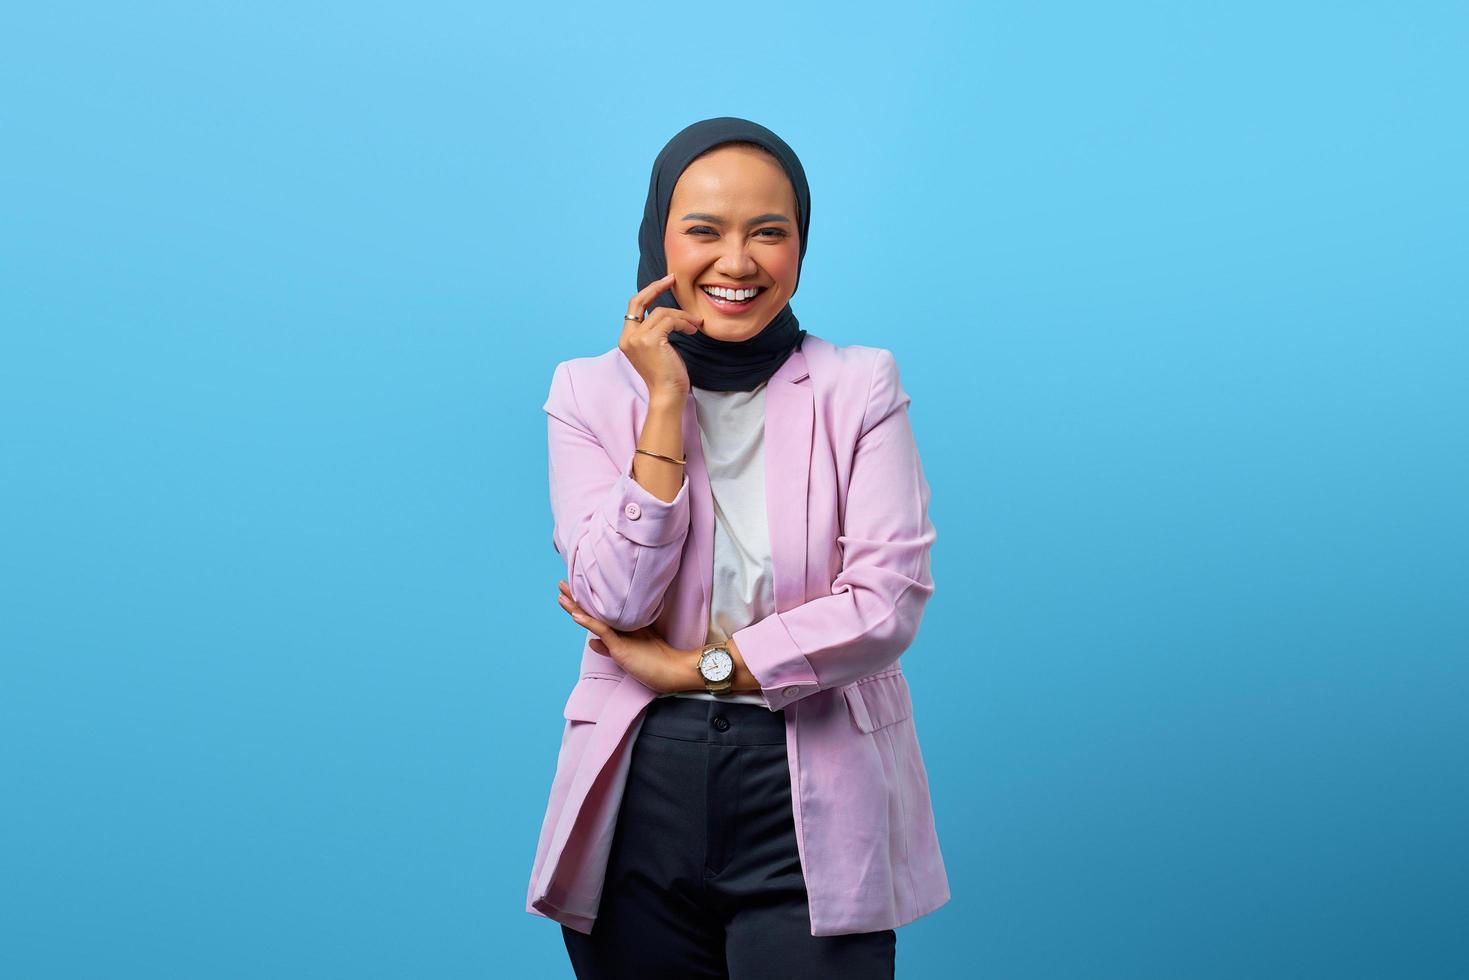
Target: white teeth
[[737, 295]]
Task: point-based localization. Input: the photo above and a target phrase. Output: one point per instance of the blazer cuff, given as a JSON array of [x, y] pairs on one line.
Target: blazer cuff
[[642, 518], [784, 673]]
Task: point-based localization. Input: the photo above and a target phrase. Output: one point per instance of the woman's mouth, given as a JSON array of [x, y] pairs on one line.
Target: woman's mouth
[[732, 300]]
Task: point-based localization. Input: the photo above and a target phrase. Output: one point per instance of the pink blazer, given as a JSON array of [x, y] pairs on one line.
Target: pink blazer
[[850, 539]]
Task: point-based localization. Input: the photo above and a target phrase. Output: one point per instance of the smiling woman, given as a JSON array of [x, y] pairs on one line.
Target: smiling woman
[[744, 520], [733, 250]]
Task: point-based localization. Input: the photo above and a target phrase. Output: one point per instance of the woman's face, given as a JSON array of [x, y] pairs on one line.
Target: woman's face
[[732, 224]]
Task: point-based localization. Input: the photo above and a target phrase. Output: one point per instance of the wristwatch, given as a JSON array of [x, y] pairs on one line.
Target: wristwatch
[[716, 666]]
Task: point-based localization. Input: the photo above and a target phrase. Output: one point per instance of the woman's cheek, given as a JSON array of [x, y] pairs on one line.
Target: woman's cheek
[[676, 250], [679, 264], [783, 268]]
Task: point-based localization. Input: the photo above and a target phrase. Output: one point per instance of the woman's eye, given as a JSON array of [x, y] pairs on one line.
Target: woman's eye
[[705, 229]]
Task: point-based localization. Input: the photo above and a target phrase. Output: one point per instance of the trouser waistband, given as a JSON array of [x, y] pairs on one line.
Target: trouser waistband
[[717, 722]]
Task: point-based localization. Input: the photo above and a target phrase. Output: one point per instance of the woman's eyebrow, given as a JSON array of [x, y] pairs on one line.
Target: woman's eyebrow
[[759, 219]]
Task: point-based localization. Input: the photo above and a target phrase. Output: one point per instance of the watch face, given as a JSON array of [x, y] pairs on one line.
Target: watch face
[[716, 665]]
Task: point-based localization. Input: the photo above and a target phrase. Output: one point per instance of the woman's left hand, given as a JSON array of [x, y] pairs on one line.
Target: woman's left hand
[[642, 653]]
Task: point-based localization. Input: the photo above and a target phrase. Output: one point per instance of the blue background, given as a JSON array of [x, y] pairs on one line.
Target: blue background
[[1178, 291]]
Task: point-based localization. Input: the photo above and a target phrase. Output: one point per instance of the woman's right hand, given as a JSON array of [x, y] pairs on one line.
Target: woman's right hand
[[646, 344]]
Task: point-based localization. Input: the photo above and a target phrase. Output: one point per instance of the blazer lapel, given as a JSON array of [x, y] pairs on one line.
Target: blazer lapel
[[789, 420], [701, 510]]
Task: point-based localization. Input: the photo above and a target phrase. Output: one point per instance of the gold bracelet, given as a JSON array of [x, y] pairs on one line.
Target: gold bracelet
[[647, 452]]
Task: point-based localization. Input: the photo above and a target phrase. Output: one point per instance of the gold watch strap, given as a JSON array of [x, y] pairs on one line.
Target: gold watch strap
[[714, 687]]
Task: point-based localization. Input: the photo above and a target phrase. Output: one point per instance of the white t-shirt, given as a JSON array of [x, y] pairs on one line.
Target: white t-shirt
[[732, 433]]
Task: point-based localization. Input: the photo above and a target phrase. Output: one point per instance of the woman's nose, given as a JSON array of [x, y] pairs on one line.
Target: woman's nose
[[736, 262]]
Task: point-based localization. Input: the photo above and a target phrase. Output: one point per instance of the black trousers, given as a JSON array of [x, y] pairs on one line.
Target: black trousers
[[703, 878]]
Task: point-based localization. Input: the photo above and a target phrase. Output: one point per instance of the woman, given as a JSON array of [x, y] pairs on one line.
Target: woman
[[744, 517]]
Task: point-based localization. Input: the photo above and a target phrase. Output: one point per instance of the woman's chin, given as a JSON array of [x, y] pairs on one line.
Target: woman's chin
[[730, 329]]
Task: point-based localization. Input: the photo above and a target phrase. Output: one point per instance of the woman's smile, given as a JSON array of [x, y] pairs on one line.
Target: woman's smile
[[732, 300]]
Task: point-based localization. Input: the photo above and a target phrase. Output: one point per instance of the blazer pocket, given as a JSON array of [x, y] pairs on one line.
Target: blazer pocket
[[589, 697], [879, 701]]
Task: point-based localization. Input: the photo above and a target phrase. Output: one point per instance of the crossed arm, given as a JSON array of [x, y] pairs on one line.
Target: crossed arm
[[620, 567]]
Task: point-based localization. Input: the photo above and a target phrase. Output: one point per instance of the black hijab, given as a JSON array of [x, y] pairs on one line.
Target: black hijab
[[720, 365]]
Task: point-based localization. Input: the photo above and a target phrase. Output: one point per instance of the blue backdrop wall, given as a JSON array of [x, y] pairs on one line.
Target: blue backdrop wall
[[1178, 291]]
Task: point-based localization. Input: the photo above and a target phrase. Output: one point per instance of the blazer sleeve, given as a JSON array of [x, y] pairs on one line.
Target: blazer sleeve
[[879, 595], [622, 545]]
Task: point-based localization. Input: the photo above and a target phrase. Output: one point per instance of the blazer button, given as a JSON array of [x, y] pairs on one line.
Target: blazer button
[[791, 692], [633, 511]]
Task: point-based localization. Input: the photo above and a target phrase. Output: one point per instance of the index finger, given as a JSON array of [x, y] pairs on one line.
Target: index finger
[[645, 295]]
